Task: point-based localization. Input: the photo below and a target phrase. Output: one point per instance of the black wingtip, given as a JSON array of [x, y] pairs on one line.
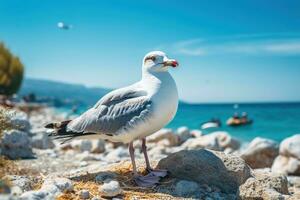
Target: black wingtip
[[51, 125]]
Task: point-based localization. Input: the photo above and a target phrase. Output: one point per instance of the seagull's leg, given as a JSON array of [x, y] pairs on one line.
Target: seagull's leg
[[144, 150], [155, 172], [131, 152], [143, 181]]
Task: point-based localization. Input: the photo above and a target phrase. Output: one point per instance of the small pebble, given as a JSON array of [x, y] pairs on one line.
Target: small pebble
[[84, 194], [105, 177], [110, 189]]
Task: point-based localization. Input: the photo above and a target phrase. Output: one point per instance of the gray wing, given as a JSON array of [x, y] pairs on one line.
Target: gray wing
[[120, 109]]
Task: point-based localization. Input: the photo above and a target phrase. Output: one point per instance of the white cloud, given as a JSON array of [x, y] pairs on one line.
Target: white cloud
[[285, 47], [256, 44]]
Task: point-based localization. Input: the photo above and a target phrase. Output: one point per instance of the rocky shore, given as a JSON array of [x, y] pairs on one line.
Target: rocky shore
[[208, 167]]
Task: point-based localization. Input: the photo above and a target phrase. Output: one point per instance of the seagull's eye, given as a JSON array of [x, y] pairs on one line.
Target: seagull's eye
[[153, 58]]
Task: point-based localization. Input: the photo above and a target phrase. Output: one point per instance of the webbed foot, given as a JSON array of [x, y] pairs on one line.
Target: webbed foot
[[146, 181], [158, 172]]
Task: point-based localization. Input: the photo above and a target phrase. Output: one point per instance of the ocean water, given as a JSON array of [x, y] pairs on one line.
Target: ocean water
[[271, 120]]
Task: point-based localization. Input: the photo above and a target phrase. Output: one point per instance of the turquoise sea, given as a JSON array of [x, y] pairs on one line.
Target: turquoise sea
[[271, 120]]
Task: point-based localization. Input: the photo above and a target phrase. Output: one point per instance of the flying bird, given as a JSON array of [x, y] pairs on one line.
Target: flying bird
[[130, 113], [62, 25]]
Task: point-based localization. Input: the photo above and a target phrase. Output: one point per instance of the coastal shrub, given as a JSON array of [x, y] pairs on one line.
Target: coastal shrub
[[11, 72], [4, 121], [4, 163]]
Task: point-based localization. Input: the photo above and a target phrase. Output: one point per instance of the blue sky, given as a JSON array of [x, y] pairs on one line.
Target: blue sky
[[229, 51]]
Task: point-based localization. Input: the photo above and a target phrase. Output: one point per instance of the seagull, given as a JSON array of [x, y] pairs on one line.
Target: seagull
[[62, 25], [130, 113]]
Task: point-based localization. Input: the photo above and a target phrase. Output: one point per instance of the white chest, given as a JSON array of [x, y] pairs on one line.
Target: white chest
[[165, 101], [163, 92]]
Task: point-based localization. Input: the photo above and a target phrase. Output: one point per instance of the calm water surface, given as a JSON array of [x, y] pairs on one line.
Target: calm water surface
[[275, 120], [271, 120]]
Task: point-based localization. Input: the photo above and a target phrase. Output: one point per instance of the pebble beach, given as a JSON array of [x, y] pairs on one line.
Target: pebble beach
[[200, 166]]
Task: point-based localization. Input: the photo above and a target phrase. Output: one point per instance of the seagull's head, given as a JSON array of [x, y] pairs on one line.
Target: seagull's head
[[158, 61]]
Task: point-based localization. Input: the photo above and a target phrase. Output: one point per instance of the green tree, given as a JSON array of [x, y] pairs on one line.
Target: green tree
[[11, 72]]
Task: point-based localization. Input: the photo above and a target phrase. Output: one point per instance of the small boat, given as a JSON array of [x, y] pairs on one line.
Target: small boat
[[238, 122], [211, 124]]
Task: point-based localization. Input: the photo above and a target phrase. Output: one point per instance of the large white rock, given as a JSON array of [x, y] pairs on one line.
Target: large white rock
[[290, 147], [201, 142], [215, 141], [288, 162], [19, 120], [16, 144], [260, 153], [164, 135], [264, 185], [286, 165], [225, 140]]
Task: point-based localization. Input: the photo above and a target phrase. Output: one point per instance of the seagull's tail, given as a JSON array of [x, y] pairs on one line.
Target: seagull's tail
[[59, 131], [59, 126]]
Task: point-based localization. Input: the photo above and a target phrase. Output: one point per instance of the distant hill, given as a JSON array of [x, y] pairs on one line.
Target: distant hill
[[63, 92]]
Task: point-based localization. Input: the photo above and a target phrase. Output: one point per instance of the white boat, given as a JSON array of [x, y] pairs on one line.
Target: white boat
[[209, 125]]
